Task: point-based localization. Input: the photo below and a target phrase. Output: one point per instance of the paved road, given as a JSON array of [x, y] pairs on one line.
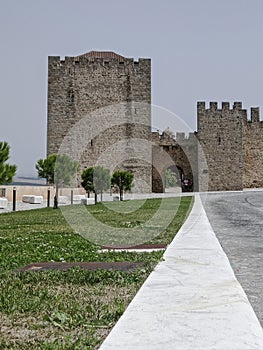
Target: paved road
[[237, 219]]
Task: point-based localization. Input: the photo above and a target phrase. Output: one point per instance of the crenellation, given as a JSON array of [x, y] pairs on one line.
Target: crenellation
[[180, 136], [87, 84], [201, 106], [254, 113], [225, 106], [155, 137], [69, 59], [237, 106], [53, 59], [213, 106], [107, 60], [192, 136]]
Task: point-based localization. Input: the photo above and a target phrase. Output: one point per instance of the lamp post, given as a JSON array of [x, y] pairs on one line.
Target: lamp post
[[14, 198], [71, 197], [48, 197]]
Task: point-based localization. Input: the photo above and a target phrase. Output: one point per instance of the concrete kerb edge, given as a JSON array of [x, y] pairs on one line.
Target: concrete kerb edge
[[196, 213]]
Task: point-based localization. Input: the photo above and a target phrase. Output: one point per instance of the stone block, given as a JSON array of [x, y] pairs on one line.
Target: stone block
[[32, 199], [78, 197], [62, 199], [3, 203], [87, 201]]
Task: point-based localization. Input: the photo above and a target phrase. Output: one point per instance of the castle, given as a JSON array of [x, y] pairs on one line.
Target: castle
[[100, 103], [110, 97]]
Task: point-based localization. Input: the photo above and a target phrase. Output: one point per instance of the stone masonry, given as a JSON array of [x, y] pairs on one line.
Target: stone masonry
[[104, 98], [233, 145], [99, 112], [176, 153]]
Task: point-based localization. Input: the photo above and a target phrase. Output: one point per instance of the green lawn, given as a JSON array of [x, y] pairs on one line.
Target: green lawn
[[74, 309]]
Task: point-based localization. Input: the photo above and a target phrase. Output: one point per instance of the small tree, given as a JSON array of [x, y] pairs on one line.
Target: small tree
[[95, 179], [46, 168], [58, 170], [7, 172], [87, 180], [123, 180], [101, 179], [170, 178]]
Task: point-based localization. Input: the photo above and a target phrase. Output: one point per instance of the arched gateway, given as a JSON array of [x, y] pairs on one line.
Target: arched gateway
[[178, 153]]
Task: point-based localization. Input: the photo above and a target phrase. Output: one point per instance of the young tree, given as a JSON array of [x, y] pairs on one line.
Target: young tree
[[170, 178], [7, 172], [58, 170], [123, 180], [87, 180], [96, 179], [101, 179], [46, 168]]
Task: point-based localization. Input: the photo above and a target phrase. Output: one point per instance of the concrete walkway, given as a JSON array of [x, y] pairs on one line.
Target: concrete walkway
[[191, 301]]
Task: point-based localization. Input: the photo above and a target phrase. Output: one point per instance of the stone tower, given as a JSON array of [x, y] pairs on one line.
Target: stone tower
[[104, 99], [220, 135], [252, 137], [233, 145]]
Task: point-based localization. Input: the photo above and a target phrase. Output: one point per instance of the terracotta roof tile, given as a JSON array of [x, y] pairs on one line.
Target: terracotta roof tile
[[108, 55]]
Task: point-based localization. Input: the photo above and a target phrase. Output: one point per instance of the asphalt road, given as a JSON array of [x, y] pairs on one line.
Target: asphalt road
[[237, 220]]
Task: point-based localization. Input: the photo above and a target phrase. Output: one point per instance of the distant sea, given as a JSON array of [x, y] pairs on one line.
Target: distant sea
[[28, 181]]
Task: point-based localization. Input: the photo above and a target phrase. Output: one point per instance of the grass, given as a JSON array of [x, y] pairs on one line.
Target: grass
[[74, 309]]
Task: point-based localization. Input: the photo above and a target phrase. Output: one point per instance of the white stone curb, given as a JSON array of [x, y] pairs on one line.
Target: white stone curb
[[191, 301]]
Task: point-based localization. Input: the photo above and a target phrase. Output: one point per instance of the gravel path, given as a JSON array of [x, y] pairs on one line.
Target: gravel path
[[237, 219]]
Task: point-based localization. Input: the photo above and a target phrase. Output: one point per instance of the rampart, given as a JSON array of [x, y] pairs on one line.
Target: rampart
[[232, 142], [101, 85], [227, 148]]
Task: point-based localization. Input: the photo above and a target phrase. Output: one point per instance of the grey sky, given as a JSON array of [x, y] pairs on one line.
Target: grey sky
[[207, 50]]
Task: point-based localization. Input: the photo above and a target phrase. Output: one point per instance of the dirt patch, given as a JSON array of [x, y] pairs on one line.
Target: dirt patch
[[140, 246], [64, 266]]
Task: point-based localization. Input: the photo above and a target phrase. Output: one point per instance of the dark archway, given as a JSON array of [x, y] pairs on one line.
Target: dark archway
[[173, 158]]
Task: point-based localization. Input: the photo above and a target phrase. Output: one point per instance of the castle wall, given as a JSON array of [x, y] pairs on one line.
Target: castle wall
[[253, 151], [179, 152], [220, 136], [99, 112], [102, 89]]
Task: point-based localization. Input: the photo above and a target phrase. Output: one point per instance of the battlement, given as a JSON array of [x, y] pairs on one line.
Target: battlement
[[105, 60], [213, 106], [225, 108], [180, 138], [155, 137], [254, 114]]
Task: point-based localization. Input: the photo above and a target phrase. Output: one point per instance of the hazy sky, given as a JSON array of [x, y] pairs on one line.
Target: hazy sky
[[201, 50]]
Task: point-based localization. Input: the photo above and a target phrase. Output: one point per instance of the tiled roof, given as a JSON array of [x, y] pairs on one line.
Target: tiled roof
[[108, 55]]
